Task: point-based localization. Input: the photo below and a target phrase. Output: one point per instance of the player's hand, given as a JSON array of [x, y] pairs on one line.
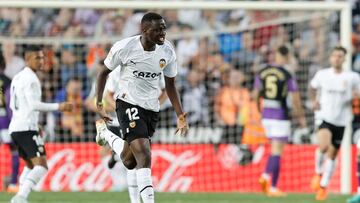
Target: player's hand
[[315, 105], [65, 106], [102, 113], [182, 125]]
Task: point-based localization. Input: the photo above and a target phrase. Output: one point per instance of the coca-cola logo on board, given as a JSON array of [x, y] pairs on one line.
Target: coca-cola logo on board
[[65, 175]]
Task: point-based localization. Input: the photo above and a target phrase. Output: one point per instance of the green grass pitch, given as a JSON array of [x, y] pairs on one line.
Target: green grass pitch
[[112, 197]]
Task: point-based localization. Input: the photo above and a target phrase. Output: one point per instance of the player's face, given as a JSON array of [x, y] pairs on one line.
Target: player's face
[[156, 32], [337, 58], [35, 60]]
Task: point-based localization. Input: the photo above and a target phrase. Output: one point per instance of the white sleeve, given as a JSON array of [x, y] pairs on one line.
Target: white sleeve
[[316, 81], [170, 69], [116, 53], [33, 96]]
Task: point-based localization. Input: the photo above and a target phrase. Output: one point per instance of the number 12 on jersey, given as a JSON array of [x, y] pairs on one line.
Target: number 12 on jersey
[[132, 113]]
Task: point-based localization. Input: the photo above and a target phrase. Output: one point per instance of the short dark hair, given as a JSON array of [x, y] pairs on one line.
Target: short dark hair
[[150, 16], [339, 48], [32, 48], [283, 50]]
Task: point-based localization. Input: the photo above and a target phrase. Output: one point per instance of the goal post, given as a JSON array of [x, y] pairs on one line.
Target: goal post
[[343, 8]]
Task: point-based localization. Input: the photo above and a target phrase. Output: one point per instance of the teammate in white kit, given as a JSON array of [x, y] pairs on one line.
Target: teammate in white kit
[[25, 103], [331, 92], [142, 59]]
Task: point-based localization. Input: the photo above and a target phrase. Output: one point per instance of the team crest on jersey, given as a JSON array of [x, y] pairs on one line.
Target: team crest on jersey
[[162, 63], [132, 124]]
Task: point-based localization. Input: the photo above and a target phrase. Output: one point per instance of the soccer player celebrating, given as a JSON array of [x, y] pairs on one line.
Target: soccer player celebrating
[[111, 87], [25, 103], [331, 92], [273, 84], [142, 59]]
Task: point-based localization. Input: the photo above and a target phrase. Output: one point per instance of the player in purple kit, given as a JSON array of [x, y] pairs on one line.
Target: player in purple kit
[[273, 84], [5, 117]]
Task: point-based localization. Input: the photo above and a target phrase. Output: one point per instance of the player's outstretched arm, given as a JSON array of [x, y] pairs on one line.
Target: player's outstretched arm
[[182, 125], [36, 103], [100, 85], [41, 106]]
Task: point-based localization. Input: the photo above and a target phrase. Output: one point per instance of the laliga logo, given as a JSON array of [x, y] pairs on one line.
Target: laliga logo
[[172, 178]]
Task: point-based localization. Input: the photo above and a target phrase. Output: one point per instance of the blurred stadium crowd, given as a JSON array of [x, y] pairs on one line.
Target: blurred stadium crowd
[[215, 71]]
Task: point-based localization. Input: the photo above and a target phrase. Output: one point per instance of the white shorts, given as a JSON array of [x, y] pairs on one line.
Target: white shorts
[[277, 129], [5, 136]]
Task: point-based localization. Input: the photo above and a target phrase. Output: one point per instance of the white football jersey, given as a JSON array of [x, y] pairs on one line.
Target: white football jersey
[[140, 71], [25, 101], [112, 85], [335, 95]]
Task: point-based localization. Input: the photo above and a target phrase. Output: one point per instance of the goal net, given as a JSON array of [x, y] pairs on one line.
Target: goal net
[[219, 51]]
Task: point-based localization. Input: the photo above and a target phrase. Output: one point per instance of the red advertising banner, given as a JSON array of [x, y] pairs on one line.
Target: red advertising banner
[[176, 167]]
